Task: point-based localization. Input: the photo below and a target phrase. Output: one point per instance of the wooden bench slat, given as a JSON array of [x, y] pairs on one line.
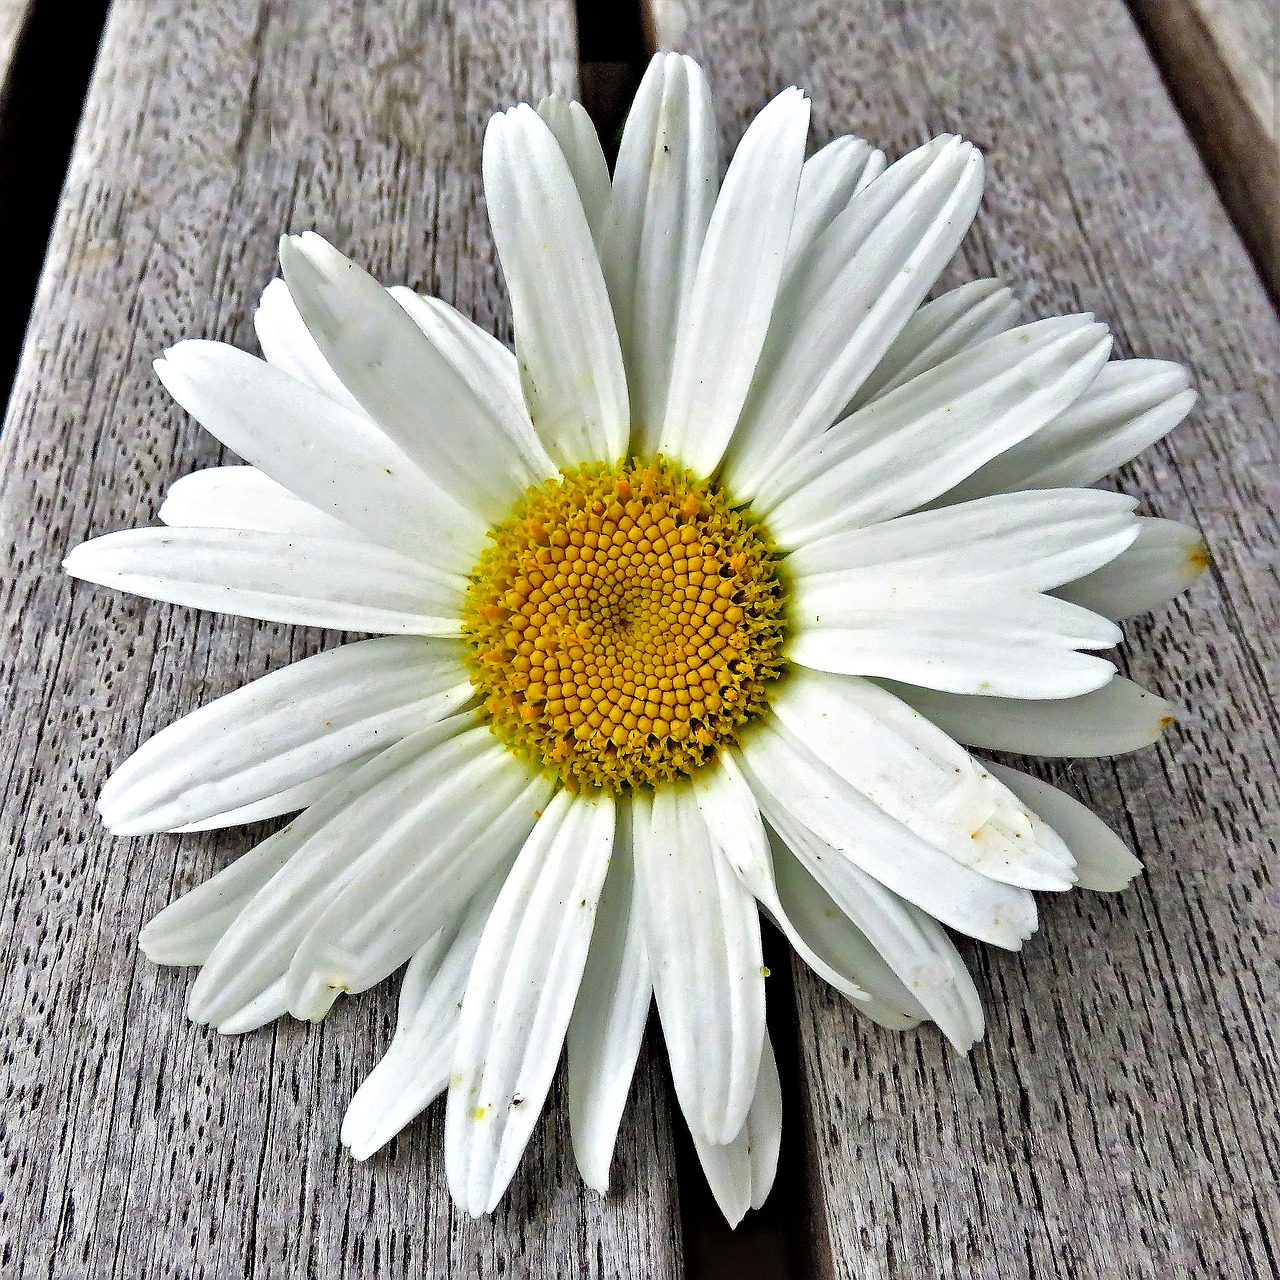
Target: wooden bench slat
[[1221, 59], [133, 1143], [1119, 1118]]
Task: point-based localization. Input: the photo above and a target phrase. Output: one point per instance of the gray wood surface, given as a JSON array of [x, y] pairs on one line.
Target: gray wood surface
[[131, 1143], [1221, 59], [13, 18], [1119, 1119]]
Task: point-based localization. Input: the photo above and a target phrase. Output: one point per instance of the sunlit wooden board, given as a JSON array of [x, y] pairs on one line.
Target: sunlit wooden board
[[134, 1144]]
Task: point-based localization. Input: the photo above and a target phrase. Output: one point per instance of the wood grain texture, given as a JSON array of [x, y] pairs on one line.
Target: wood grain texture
[[1119, 1119], [131, 1143], [1219, 58]]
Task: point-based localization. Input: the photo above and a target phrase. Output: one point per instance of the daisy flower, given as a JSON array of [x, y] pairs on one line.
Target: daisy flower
[[685, 611]]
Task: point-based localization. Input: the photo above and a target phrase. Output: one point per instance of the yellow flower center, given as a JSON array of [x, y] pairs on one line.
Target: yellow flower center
[[624, 624]]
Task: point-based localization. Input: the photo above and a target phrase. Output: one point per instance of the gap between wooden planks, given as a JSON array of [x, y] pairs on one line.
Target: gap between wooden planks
[[1119, 1119], [134, 1144]]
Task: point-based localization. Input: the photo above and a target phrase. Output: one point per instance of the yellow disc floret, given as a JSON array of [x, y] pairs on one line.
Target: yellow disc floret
[[625, 623]]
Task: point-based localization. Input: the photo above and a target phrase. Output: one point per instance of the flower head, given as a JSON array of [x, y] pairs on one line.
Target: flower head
[[687, 609]]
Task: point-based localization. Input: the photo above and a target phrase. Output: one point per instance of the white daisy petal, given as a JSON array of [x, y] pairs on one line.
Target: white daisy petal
[[255, 959], [285, 729], [741, 1173], [723, 325], [904, 449], [566, 340], [1013, 644], [243, 498], [1130, 405], [793, 788], [265, 1008], [448, 834], [685, 609], [393, 808], [490, 369], [733, 819], [187, 930], [664, 188], [415, 1069], [425, 403], [841, 944], [828, 181], [1028, 540], [702, 931], [912, 771], [1103, 862], [847, 300], [290, 800], [580, 145], [1121, 716], [333, 458], [520, 995], [609, 1017], [287, 344], [1164, 561], [315, 582], [939, 330], [911, 942]]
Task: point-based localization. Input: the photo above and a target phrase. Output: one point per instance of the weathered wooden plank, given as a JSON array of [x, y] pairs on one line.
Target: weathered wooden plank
[[13, 19], [1219, 58], [133, 1144], [1119, 1118]]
